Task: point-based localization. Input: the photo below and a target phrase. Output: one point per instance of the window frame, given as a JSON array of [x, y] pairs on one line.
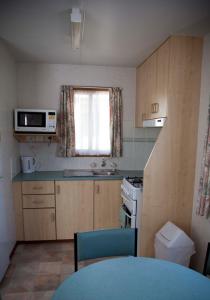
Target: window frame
[[96, 89]]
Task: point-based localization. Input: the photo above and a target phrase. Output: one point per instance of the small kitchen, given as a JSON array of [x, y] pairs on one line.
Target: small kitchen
[[72, 176], [88, 146]]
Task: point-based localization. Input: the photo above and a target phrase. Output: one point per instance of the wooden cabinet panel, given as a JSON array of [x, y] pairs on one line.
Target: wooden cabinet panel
[[169, 173], [39, 224], [38, 187], [140, 96], [145, 89], [74, 207], [107, 202], [161, 81], [152, 86], [38, 201], [17, 199]]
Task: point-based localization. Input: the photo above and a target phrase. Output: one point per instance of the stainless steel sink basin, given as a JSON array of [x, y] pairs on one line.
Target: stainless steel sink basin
[[104, 172], [87, 173], [77, 173]]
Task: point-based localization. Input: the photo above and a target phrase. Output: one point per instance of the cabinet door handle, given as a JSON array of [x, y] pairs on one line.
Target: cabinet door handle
[[53, 217], [58, 189], [97, 189], [154, 108], [38, 201], [37, 187]]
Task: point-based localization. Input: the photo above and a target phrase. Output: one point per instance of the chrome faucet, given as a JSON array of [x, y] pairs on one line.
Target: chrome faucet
[[113, 165], [103, 163]]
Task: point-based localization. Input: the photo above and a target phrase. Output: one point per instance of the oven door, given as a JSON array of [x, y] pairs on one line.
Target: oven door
[[129, 203], [127, 220], [33, 121]]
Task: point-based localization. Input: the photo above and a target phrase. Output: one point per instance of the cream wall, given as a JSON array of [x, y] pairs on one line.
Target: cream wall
[[200, 225], [8, 154], [38, 86]]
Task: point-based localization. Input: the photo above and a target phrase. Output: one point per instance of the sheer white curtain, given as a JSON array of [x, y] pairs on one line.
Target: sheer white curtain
[[92, 122]]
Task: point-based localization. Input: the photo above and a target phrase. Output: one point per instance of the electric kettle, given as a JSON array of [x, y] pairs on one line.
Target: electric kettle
[[28, 164]]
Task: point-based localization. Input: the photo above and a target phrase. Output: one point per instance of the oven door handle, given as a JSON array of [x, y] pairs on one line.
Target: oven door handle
[[124, 190], [127, 198], [129, 216]]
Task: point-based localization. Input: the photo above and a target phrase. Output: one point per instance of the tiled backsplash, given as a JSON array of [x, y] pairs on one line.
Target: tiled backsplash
[[135, 156]]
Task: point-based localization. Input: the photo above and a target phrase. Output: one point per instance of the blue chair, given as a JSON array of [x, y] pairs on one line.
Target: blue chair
[[104, 243], [206, 269]]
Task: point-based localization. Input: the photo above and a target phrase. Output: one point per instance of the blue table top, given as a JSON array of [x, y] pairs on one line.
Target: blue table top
[[134, 278]]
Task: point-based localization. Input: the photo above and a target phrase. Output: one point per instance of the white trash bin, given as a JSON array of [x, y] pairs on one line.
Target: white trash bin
[[172, 243]]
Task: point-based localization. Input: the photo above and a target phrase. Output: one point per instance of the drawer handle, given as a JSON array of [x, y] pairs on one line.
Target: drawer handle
[[58, 189], [38, 201], [38, 188], [97, 188]]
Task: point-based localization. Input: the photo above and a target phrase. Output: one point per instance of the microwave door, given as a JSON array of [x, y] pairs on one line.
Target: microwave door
[[31, 121]]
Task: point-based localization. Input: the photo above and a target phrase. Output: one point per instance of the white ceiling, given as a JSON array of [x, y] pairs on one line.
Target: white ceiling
[[117, 32]]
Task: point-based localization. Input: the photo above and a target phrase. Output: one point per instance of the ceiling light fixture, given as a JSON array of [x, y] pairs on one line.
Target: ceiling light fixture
[[77, 27]]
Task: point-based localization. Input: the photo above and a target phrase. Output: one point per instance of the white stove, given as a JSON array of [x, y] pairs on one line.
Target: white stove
[[131, 193]]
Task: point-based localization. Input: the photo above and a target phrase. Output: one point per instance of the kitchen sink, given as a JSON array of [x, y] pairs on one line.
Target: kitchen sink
[[104, 172], [87, 173], [77, 173]]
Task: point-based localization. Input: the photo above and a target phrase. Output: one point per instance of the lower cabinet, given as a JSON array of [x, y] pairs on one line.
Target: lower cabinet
[[45, 213], [74, 207], [39, 224], [107, 202]]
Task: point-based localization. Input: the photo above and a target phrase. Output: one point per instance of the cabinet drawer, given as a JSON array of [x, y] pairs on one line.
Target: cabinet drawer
[[38, 187], [39, 224], [38, 201]]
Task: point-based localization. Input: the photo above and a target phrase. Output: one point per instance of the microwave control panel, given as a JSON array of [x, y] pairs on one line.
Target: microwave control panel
[[51, 121]]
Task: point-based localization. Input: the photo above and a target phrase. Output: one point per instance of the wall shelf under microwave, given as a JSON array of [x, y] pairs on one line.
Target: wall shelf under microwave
[[36, 137]]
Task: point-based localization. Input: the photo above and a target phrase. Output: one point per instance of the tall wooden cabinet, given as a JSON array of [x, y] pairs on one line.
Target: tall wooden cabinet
[[169, 172], [151, 86]]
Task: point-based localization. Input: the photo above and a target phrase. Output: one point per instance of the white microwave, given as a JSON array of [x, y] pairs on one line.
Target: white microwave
[[35, 120]]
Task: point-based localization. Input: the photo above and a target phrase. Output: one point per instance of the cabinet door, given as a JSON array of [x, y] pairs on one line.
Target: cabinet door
[[159, 104], [140, 96], [107, 202], [39, 224], [74, 207], [145, 89], [18, 209], [151, 83]]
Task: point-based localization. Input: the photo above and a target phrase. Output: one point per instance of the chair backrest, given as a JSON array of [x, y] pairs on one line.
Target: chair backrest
[[104, 243], [206, 269]]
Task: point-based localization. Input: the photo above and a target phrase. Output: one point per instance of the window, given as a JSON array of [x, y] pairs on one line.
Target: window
[[92, 122]]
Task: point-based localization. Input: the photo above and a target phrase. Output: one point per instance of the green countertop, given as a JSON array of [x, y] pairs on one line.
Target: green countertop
[[59, 175]]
